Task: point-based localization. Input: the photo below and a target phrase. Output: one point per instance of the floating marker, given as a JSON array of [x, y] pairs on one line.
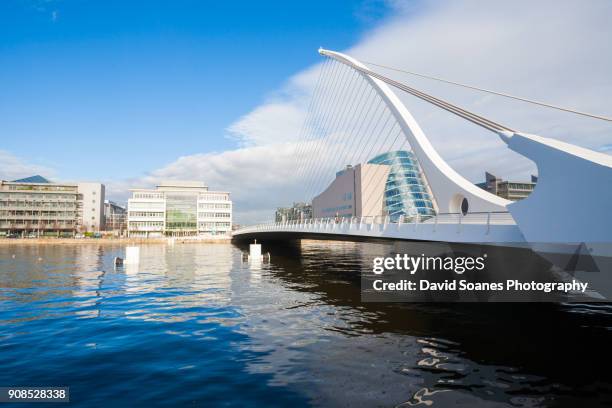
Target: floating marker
[[254, 255], [132, 255], [255, 251]]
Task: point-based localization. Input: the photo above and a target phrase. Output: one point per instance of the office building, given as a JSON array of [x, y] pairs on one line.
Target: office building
[[298, 211], [510, 190], [115, 217], [35, 206], [179, 209], [390, 184]]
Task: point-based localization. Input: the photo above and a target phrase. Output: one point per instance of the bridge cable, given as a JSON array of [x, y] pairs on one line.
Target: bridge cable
[[505, 95], [334, 135], [323, 117], [323, 127], [467, 115], [311, 142], [361, 132], [351, 145], [301, 139], [341, 131], [375, 128], [374, 131], [370, 125]]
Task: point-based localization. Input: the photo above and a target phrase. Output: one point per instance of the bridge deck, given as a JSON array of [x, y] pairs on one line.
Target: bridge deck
[[470, 228]]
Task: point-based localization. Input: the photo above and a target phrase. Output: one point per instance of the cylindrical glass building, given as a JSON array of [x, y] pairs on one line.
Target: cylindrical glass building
[[406, 192]]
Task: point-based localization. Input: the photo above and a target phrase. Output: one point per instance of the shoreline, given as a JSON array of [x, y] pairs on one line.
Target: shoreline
[[109, 241]]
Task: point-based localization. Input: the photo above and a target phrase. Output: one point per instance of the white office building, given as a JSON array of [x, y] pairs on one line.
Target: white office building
[[91, 206], [178, 209]]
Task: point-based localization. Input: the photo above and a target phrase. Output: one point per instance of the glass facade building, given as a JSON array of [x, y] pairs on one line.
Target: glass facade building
[[179, 209], [406, 191]]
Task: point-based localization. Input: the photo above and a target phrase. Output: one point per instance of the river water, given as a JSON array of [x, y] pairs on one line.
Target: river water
[[191, 325]]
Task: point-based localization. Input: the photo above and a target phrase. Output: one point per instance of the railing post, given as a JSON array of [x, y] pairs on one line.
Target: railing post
[[488, 222], [435, 222], [459, 225], [399, 221]]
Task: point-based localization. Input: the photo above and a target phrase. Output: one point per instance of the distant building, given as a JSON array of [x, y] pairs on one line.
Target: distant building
[[298, 211], [390, 184], [179, 209], [510, 190], [115, 217], [37, 206]]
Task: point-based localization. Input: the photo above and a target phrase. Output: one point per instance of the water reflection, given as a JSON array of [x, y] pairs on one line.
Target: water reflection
[[193, 324], [481, 354]]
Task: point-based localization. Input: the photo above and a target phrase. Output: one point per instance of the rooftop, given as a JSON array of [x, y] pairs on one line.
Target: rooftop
[[33, 179]]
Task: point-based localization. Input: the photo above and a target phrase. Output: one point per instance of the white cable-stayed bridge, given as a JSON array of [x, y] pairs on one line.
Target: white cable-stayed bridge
[[370, 171]]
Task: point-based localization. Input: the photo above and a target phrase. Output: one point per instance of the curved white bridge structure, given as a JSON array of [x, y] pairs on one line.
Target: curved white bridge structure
[[492, 227], [570, 206]]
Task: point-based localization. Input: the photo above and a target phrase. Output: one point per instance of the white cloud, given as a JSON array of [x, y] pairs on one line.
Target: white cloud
[[13, 167], [259, 177], [555, 51], [281, 117], [268, 124]]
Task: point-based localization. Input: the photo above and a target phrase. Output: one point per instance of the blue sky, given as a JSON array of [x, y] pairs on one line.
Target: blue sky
[[114, 89]]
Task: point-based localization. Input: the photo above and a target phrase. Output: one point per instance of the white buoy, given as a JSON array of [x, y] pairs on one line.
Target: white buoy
[[132, 255], [255, 251]]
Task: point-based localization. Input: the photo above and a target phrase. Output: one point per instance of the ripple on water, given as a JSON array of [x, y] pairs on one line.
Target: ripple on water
[[193, 325]]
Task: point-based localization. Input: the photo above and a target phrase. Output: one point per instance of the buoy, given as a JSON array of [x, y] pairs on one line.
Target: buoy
[[254, 255], [132, 255], [255, 251]]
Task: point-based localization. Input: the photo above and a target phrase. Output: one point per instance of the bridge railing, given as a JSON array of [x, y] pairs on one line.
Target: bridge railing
[[475, 218]]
